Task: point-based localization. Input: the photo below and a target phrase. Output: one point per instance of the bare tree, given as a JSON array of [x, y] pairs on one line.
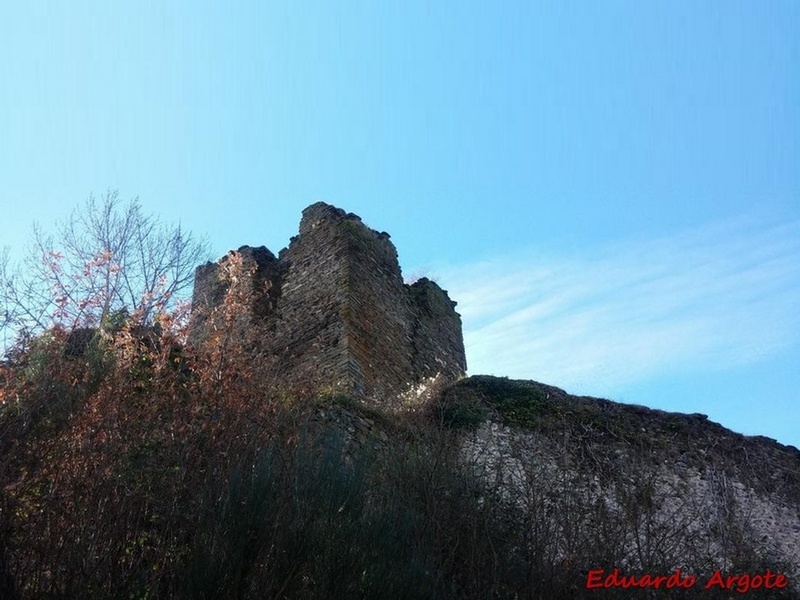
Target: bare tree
[[108, 258], [6, 315]]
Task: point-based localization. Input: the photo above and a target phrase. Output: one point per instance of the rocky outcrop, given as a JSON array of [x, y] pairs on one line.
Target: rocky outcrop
[[655, 490]]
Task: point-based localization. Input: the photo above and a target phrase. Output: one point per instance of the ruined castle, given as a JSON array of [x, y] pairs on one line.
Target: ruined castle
[[332, 311]]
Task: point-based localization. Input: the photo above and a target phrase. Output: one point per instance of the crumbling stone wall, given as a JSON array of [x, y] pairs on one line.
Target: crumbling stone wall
[[211, 286], [333, 311]]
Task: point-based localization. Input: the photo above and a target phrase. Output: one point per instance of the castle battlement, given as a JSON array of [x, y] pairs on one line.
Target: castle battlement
[[333, 312]]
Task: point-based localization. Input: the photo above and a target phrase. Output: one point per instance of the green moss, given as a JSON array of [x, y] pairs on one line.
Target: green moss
[[520, 403], [463, 411]]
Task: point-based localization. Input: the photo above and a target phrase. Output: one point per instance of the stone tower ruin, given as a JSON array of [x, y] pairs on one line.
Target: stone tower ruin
[[333, 312]]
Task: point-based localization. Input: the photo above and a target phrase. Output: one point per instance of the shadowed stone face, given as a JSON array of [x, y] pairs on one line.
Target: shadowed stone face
[[335, 313]]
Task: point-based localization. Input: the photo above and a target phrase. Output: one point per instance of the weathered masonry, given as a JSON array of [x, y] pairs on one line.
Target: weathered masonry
[[332, 311]]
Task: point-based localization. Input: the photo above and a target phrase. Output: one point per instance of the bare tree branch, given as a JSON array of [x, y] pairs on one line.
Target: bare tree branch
[[108, 257]]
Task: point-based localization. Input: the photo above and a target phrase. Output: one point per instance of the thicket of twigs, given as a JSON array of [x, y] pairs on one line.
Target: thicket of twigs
[[134, 465]]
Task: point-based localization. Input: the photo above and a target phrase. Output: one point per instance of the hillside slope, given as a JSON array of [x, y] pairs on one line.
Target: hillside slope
[[677, 490]]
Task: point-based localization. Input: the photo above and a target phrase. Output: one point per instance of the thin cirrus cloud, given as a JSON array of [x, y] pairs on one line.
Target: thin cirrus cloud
[[711, 298]]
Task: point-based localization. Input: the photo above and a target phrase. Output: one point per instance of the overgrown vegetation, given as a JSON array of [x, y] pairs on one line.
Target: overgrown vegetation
[[186, 490], [600, 429], [108, 259], [135, 465]]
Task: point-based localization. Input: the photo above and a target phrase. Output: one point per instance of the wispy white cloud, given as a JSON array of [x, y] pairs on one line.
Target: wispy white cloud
[[710, 298]]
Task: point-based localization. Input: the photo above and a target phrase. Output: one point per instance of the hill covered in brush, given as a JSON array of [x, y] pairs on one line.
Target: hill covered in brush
[[307, 430]]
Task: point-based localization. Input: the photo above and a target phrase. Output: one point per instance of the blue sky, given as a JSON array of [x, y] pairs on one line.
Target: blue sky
[[610, 190]]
